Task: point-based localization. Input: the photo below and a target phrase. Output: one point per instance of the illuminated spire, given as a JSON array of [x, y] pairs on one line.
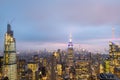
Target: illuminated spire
[[70, 40], [70, 44]]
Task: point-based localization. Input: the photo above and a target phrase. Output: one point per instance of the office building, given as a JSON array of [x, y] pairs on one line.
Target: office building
[[10, 66]]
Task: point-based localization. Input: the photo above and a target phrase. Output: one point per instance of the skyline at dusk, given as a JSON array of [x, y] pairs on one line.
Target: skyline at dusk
[[43, 24]]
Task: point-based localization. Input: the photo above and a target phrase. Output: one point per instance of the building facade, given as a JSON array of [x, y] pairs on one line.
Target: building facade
[[10, 66], [114, 54]]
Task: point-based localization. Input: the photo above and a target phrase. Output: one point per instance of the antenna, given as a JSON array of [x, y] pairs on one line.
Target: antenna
[[12, 21], [70, 37]]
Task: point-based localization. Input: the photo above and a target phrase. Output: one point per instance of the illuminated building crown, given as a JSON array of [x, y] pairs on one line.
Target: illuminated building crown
[[70, 44]]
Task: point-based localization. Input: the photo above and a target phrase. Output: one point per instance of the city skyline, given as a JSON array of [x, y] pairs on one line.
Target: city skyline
[[39, 23]]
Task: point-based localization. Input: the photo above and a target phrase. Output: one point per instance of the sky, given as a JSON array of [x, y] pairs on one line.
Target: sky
[[40, 24]]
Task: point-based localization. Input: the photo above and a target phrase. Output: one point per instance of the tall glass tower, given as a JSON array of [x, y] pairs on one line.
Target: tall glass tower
[[10, 65]]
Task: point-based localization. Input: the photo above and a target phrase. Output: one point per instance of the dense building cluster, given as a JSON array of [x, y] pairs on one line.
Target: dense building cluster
[[68, 64]]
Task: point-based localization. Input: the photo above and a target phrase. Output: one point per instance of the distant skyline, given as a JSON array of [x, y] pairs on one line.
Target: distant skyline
[[40, 24]]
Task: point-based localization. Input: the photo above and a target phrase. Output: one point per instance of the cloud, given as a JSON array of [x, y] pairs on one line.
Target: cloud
[[82, 12], [41, 46], [50, 22]]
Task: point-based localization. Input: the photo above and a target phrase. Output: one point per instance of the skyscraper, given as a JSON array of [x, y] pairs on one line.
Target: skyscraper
[[70, 54], [114, 54], [70, 60], [10, 66]]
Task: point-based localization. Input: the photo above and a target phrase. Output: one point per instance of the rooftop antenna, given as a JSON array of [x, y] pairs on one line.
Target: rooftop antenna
[[70, 37], [12, 21]]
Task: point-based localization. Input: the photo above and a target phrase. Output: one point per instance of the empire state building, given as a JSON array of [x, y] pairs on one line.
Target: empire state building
[[70, 54]]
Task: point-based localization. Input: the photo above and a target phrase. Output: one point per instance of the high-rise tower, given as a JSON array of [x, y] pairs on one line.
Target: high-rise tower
[[70, 59], [10, 66], [70, 54]]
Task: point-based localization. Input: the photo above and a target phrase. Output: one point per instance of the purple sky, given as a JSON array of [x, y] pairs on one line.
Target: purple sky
[[40, 24]]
